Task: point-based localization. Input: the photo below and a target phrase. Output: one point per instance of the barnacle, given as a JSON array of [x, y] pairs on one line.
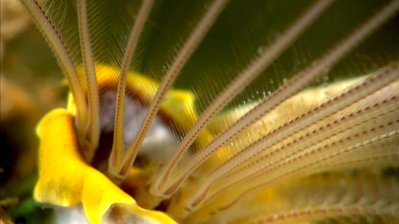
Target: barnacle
[[257, 135]]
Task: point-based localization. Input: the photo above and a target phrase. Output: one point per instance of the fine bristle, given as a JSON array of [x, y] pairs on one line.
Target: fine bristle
[[354, 152], [118, 146], [317, 134], [326, 109], [189, 47], [297, 125], [242, 80], [316, 198], [292, 86], [65, 61], [93, 128]]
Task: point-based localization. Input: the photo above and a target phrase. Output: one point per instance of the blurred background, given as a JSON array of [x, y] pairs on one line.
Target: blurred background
[[31, 85]]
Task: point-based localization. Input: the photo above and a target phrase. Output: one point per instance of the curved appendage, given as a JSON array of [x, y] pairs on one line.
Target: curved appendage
[[315, 198], [93, 124], [272, 145], [284, 92], [118, 146], [243, 79], [189, 47], [56, 43]]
